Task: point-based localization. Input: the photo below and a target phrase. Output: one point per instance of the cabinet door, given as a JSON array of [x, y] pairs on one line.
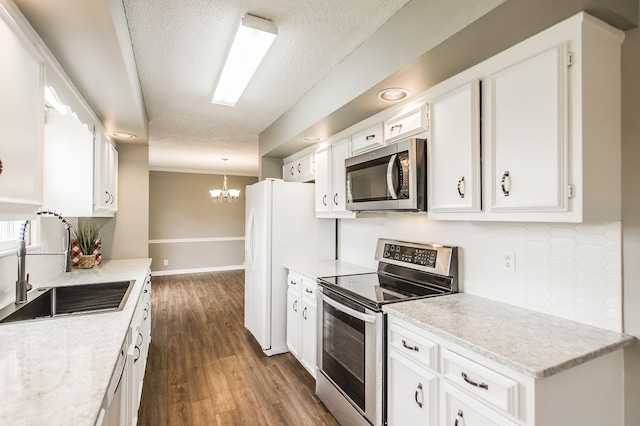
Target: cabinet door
[[412, 393], [339, 152], [529, 120], [460, 409], [454, 150], [106, 176], [308, 335], [367, 140], [323, 179], [21, 121], [293, 321]]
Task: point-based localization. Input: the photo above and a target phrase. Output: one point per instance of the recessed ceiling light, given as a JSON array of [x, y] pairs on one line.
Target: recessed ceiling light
[[123, 135], [392, 95], [311, 139]]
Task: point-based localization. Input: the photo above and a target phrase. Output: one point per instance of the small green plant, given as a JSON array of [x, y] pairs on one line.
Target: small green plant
[[86, 234]]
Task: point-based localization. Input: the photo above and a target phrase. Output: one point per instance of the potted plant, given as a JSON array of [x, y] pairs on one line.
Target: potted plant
[[86, 234]]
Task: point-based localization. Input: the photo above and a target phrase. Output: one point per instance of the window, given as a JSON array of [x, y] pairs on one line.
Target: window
[[9, 233]]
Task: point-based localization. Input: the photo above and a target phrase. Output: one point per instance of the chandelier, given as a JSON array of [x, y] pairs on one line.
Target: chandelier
[[226, 194]]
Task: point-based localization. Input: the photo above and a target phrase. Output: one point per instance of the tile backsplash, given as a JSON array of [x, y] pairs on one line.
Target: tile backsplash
[[573, 271]]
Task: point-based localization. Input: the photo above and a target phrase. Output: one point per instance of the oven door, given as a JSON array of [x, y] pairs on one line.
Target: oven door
[[350, 358]]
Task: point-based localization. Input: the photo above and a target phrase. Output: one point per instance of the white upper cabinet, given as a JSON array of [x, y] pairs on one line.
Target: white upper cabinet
[[331, 180], [21, 121], [454, 149], [528, 133], [106, 176], [300, 170], [551, 135], [406, 124], [367, 139]]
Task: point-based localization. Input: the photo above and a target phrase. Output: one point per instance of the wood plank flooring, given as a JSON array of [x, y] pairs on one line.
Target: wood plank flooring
[[205, 368]]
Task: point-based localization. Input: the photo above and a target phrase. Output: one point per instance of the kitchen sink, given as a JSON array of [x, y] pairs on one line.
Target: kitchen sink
[[53, 302]]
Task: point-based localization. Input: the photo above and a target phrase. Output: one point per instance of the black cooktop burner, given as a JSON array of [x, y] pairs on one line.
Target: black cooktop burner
[[375, 290]]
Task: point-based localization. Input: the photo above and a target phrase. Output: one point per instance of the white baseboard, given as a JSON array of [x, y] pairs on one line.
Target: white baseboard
[[197, 270]]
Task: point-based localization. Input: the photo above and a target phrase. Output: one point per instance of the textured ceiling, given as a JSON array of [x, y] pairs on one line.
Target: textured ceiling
[[180, 45]]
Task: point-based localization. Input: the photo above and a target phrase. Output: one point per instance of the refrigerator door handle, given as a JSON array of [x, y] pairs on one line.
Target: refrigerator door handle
[[250, 230]]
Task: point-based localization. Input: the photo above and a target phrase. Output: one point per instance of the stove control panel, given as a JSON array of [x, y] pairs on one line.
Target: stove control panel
[[412, 255], [433, 258]]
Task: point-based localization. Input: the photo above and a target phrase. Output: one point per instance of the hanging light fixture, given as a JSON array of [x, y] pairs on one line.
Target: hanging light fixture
[[226, 194]]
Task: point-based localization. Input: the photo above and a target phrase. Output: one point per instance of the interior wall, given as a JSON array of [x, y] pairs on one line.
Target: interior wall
[[571, 271], [189, 230], [631, 217], [127, 235]]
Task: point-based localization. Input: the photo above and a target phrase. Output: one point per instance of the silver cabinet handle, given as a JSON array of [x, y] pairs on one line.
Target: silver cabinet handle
[[369, 137], [472, 383], [298, 167], [411, 348], [295, 306], [291, 171], [146, 314], [293, 282], [460, 183], [459, 417], [137, 357], [335, 201], [392, 190], [308, 291], [503, 182], [397, 127], [419, 390], [0, 167], [324, 199], [304, 313]]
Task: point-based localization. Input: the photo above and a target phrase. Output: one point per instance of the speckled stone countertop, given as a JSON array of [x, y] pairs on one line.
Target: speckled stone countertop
[[536, 344], [56, 371], [327, 268]]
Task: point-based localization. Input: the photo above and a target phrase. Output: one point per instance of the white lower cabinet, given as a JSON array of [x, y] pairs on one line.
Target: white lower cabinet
[[122, 400], [413, 393], [301, 320], [432, 381]]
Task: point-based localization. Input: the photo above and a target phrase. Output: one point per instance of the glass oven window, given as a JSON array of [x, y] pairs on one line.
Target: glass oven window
[[343, 352]]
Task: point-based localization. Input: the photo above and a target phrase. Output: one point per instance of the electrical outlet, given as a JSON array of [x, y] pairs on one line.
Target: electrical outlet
[[509, 261], [166, 262]]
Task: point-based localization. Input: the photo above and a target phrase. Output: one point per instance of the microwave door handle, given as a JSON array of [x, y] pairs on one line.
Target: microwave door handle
[[390, 167], [351, 312]]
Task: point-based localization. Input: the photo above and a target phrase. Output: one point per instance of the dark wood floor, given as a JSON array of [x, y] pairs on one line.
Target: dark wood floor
[[205, 368]]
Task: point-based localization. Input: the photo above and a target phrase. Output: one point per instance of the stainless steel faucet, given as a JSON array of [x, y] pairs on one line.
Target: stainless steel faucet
[[22, 284]]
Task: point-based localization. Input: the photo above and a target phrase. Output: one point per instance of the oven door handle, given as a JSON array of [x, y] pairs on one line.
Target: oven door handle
[[390, 186], [351, 312]]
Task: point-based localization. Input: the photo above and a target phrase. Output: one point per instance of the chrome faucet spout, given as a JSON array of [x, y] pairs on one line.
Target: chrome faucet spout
[[22, 283]]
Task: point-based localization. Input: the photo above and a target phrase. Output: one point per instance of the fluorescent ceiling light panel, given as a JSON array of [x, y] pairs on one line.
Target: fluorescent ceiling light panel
[[252, 40]]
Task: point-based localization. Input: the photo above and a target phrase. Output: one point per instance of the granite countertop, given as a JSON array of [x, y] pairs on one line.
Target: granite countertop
[[536, 344], [327, 268], [56, 371]]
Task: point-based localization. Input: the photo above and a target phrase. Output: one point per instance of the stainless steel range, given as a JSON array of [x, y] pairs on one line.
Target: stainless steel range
[[352, 327]]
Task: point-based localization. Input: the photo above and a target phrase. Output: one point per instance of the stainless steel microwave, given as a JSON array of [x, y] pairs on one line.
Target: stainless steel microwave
[[391, 178]]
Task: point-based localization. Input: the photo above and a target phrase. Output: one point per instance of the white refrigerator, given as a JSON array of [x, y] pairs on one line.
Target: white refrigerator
[[281, 227]]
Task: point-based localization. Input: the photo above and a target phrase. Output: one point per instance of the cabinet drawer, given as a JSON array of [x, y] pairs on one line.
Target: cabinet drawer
[[462, 410], [309, 288], [407, 124], [367, 140], [482, 383], [414, 346], [294, 280]]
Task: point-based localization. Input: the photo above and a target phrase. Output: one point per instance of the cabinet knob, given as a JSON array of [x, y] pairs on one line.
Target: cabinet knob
[[503, 183], [459, 418], [419, 391], [472, 383], [461, 190]]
